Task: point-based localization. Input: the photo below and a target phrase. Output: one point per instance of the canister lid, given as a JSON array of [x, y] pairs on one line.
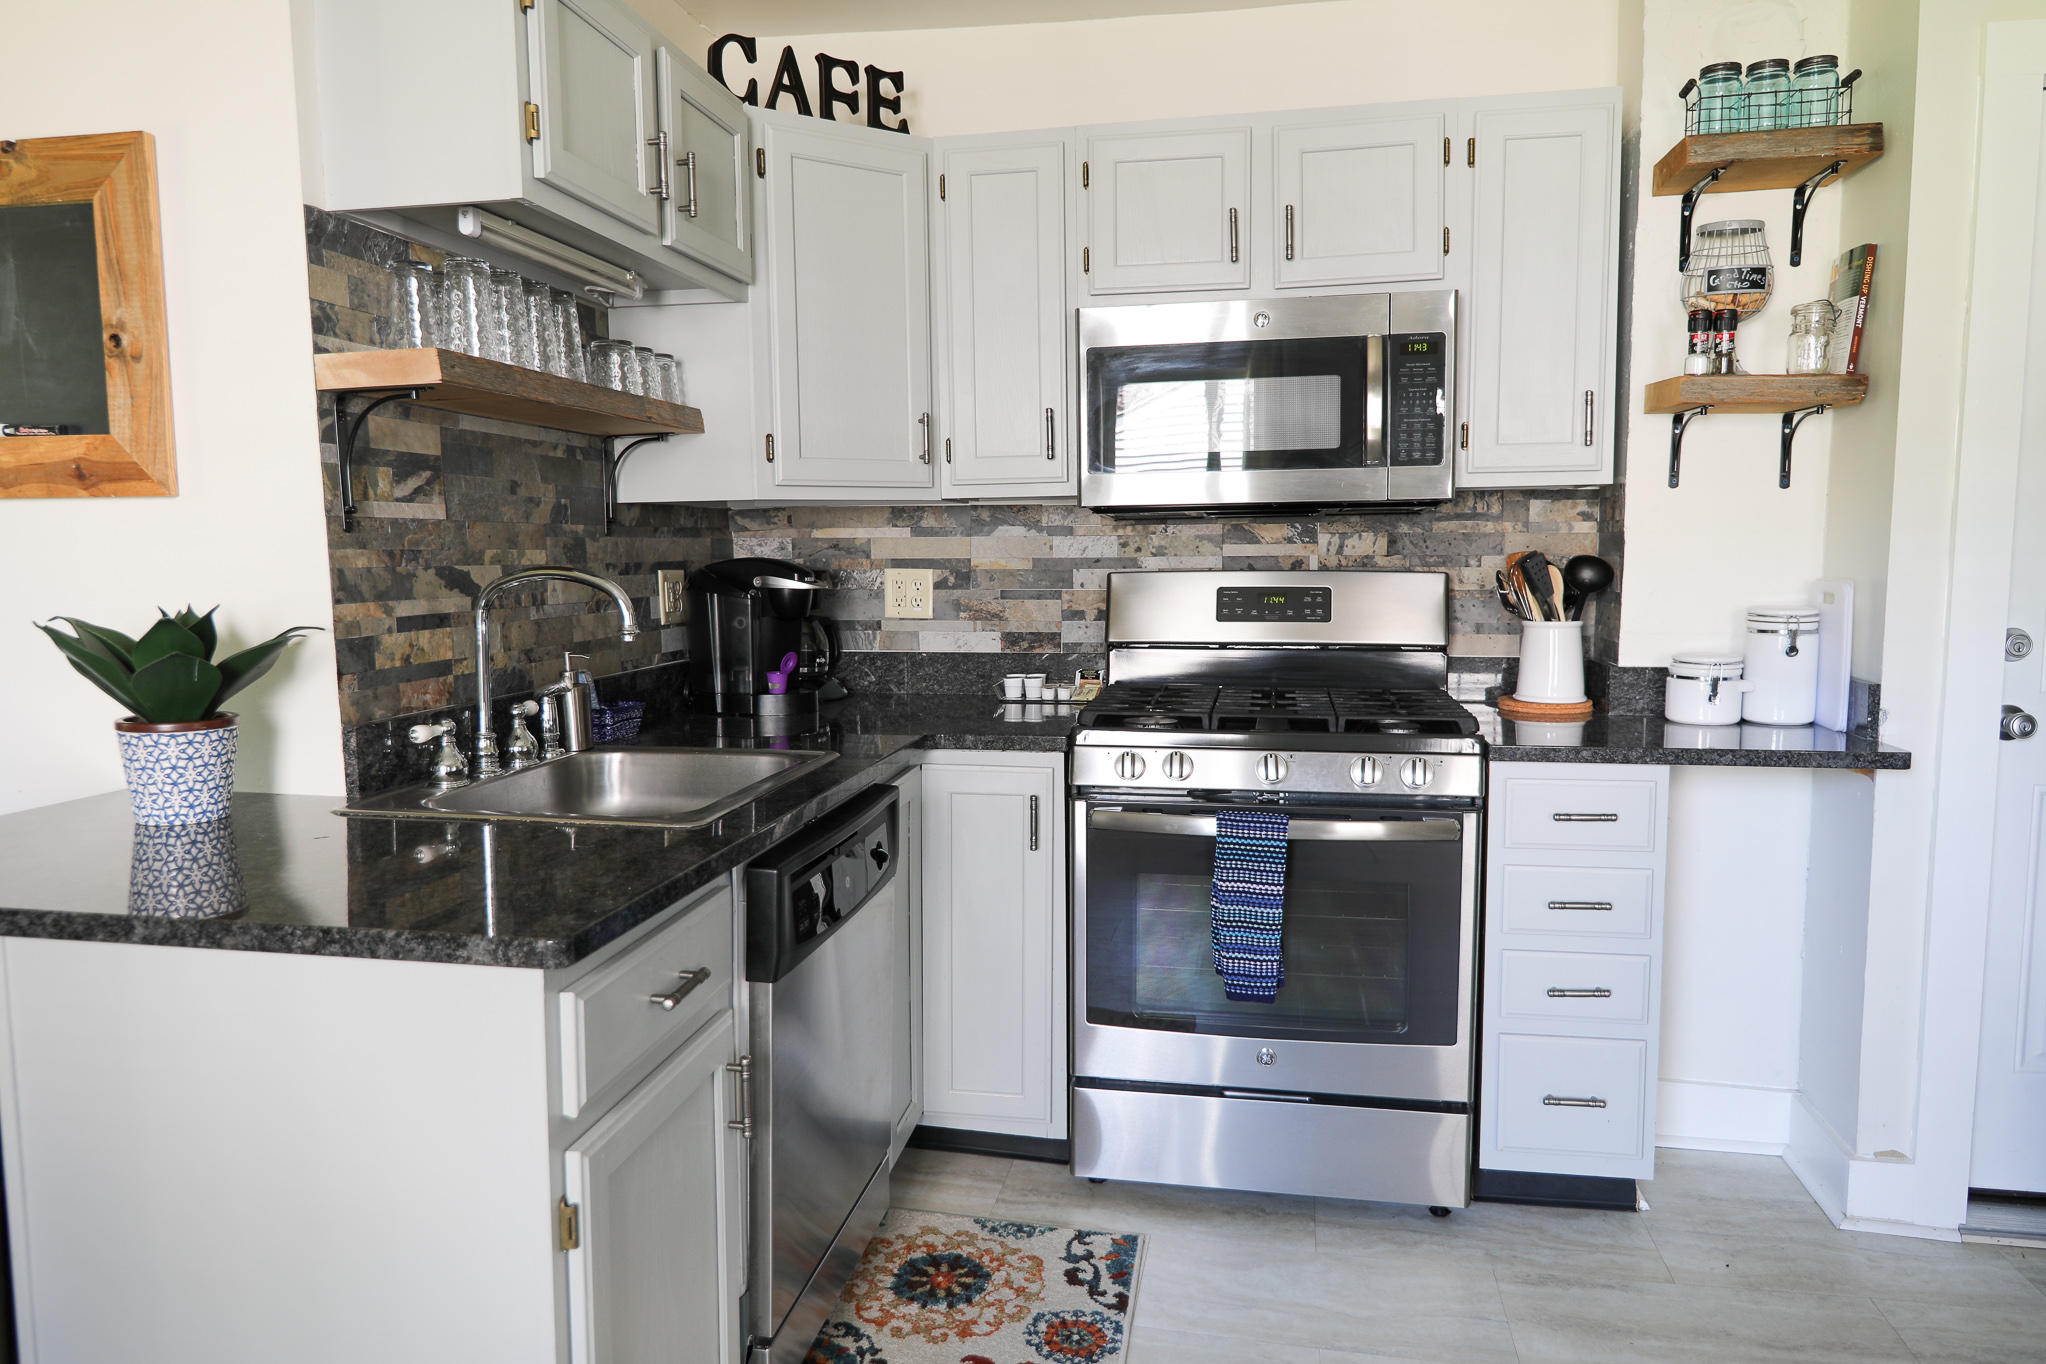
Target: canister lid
[[1768, 64], [1823, 59], [1702, 665], [1781, 615], [1720, 69]]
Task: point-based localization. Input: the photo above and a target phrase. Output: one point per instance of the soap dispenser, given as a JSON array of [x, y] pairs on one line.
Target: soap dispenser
[[572, 695]]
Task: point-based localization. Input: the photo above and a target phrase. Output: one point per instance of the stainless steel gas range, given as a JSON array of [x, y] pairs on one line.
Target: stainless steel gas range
[[1320, 695]]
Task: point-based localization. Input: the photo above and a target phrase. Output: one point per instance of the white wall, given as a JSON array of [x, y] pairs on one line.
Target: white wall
[[247, 528]]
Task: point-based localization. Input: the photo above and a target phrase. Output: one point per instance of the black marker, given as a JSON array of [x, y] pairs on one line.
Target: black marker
[[30, 429]]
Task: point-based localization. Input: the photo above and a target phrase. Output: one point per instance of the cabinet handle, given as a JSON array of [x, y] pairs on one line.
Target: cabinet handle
[[1587, 416], [743, 1068], [1033, 824], [925, 422], [1289, 232], [661, 140], [1580, 904], [690, 980], [1556, 1101], [688, 163], [1561, 818], [1232, 236], [1051, 439], [1557, 992], [948, 449]]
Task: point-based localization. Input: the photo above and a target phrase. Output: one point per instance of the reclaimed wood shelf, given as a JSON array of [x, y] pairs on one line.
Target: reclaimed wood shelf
[[1754, 393], [455, 382], [1779, 158]]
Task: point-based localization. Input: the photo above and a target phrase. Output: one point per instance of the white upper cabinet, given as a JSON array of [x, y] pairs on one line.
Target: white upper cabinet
[[1003, 324], [708, 150], [849, 308], [594, 68], [1544, 296], [1168, 211], [1357, 202]]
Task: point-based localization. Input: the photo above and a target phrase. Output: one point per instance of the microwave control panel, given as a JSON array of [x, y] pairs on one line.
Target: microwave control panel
[[1416, 397]]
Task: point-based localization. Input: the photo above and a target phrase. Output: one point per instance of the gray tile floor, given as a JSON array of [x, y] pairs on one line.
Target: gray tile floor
[[1735, 1263]]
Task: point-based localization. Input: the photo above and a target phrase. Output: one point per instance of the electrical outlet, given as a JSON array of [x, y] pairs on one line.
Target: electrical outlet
[[673, 599], [909, 593]]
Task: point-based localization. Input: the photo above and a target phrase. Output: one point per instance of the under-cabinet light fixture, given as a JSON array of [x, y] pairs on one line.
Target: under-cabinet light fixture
[[597, 274]]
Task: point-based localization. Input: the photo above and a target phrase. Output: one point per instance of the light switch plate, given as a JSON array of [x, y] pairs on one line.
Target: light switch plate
[[673, 600], [909, 593]]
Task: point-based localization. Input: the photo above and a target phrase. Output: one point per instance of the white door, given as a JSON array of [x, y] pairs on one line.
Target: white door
[[994, 958], [1358, 202], [1168, 211], [709, 146], [1002, 251], [1544, 298], [847, 228], [658, 1263], [593, 69]]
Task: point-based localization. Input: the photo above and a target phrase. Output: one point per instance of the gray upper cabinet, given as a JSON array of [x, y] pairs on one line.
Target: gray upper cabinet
[[1168, 211], [849, 307], [1544, 296], [594, 69], [1003, 322], [1358, 202], [708, 148]]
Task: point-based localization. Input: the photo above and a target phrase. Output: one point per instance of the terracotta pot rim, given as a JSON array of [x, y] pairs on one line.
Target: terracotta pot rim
[[131, 725]]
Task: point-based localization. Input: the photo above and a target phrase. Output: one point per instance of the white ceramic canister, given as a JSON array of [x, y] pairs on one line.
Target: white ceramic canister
[[1704, 689], [1782, 663], [1551, 662]]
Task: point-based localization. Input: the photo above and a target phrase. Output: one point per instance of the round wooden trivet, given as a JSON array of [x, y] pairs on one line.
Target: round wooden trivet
[[1513, 708]]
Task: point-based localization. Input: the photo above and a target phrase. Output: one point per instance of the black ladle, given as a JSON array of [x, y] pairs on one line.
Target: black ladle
[[1584, 577]]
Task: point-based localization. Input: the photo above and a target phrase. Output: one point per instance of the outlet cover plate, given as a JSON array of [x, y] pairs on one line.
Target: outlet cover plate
[[909, 592], [672, 599]]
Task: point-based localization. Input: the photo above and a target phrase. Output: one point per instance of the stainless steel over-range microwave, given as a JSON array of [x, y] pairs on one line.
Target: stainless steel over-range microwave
[[1307, 402]]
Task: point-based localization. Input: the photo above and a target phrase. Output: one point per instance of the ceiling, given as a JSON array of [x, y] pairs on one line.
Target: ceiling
[[784, 17]]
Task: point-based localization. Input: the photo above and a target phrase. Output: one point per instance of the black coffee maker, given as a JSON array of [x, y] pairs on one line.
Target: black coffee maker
[[747, 619]]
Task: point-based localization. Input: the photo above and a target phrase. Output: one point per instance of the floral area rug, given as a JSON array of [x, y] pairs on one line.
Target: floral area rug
[[939, 1289]]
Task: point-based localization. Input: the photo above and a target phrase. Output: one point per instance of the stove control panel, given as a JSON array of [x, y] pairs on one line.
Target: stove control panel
[[1270, 769], [1313, 604]]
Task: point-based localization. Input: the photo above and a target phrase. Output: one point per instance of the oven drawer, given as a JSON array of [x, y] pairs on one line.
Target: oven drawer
[[1571, 1096], [1610, 902], [611, 1020], [1601, 987], [1616, 815]]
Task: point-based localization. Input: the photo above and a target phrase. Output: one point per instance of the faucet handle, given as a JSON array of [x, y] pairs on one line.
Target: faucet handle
[[426, 734], [450, 768], [519, 749]]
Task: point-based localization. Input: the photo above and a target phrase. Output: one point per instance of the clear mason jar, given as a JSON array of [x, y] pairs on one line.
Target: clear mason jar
[[507, 294], [671, 377], [568, 326], [649, 372], [613, 365], [542, 341], [1814, 93], [1767, 88], [415, 290], [1720, 98], [1811, 328], [465, 304]]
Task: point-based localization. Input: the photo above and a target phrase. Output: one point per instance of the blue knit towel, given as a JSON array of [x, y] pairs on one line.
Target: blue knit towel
[[1248, 908]]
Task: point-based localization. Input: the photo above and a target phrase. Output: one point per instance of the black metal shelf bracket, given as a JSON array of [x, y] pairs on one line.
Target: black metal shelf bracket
[[614, 459], [1800, 201], [345, 452], [1791, 421], [1677, 424], [1684, 219]]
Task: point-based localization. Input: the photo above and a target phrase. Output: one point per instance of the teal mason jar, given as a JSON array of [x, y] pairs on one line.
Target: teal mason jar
[[1719, 98], [1767, 91], [1815, 93]]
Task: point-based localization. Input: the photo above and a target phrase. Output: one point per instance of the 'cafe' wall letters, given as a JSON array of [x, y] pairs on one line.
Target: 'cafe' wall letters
[[788, 81]]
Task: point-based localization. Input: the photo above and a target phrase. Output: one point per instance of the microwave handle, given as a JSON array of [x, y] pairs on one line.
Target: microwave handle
[[1375, 453], [1298, 830]]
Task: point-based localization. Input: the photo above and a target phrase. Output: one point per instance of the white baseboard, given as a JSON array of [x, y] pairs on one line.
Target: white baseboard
[[1837, 1179], [1700, 1115]]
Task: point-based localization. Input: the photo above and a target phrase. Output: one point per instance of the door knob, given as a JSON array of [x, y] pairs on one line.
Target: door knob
[[2017, 724], [2016, 645]]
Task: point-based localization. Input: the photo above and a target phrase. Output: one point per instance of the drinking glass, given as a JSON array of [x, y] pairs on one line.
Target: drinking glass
[[465, 304], [671, 377], [417, 305], [507, 294], [568, 328], [649, 372], [613, 366], [543, 340]]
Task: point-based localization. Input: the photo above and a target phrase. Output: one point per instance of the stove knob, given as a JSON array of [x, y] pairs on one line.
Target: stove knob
[[1365, 772], [1416, 773], [1176, 766], [1129, 766], [1271, 769]]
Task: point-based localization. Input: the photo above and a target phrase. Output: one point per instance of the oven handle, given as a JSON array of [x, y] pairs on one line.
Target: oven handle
[[1298, 830]]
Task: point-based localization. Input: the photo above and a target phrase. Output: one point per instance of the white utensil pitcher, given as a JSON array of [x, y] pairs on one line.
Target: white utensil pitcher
[[1551, 662]]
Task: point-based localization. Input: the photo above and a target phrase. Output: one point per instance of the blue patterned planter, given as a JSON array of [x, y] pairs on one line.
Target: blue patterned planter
[[186, 871], [178, 774]]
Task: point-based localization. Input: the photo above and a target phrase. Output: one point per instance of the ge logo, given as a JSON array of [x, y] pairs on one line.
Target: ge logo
[[1267, 1057]]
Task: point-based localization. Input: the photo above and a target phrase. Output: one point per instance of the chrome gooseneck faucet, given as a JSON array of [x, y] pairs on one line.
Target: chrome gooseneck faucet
[[486, 740]]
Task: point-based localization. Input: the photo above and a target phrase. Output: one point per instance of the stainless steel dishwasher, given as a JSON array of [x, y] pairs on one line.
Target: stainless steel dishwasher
[[823, 916]]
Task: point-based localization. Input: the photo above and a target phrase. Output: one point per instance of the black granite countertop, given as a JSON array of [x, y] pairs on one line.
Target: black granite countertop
[[1649, 739], [287, 874]]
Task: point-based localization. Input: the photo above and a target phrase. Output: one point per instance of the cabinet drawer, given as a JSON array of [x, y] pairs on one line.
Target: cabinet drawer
[[611, 1019], [1615, 902], [1601, 986], [1571, 1096], [1549, 813]]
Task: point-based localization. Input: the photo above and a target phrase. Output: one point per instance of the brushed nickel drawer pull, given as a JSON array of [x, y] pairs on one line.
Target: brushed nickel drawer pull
[[690, 980], [743, 1069], [1557, 992], [1555, 1101], [1580, 904], [1232, 236], [1562, 818]]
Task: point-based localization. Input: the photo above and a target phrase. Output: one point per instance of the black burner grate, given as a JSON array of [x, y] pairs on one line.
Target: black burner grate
[[1146, 706]]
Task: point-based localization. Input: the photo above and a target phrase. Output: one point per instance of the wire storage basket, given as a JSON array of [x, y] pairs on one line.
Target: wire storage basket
[[1815, 100], [1729, 268]]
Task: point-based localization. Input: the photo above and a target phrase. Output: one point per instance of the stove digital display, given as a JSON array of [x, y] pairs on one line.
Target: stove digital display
[[1307, 604]]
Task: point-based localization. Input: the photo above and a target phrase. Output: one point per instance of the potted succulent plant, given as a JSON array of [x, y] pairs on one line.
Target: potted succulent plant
[[177, 745]]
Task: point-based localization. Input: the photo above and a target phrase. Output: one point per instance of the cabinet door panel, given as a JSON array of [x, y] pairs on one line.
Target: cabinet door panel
[[1365, 198], [595, 77], [1003, 220], [706, 122], [1160, 210], [1544, 295]]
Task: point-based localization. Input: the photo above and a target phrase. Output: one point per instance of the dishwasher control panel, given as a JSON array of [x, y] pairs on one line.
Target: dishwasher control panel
[[812, 882]]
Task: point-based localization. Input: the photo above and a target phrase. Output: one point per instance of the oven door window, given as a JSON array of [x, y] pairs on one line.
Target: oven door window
[[1371, 940], [1229, 406]]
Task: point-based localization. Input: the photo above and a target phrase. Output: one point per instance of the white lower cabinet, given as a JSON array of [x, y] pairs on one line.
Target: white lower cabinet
[[994, 910], [1573, 968]]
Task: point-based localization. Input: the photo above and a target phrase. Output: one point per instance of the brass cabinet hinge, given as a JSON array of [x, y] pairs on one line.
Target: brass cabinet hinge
[[1464, 441], [1445, 241], [569, 1218], [1445, 151], [770, 447], [760, 162], [532, 121], [941, 189], [1086, 260], [525, 6], [1083, 175], [1470, 152]]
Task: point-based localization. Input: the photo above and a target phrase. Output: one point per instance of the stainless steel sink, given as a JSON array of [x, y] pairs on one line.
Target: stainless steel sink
[[668, 787]]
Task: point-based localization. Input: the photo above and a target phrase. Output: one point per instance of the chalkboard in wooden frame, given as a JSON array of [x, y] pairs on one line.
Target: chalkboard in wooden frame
[[54, 342]]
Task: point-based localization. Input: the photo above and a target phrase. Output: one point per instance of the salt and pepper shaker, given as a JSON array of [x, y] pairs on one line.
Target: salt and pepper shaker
[[1725, 333], [1698, 359]]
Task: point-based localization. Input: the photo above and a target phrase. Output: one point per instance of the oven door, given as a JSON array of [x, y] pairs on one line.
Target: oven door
[[1379, 942]]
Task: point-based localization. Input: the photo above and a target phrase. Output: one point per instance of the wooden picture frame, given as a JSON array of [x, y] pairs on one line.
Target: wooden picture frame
[[116, 174]]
